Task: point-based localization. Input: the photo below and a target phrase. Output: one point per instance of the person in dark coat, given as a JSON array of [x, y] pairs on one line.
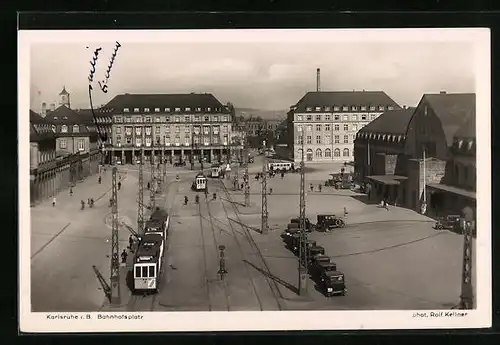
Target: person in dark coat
[[124, 257]]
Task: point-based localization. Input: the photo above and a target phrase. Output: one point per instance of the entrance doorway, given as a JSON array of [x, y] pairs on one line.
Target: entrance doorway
[[309, 155]]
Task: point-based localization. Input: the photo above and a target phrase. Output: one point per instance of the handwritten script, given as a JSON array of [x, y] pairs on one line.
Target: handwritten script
[[103, 84]]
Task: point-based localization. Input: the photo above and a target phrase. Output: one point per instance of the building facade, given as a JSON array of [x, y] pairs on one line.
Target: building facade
[[429, 163], [176, 127], [63, 149], [327, 122]]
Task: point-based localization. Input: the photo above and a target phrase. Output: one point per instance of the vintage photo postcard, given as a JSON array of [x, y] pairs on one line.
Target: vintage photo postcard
[[224, 180]]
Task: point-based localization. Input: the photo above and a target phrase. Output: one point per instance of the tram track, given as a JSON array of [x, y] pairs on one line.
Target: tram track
[[204, 249], [273, 286], [216, 245], [148, 303]]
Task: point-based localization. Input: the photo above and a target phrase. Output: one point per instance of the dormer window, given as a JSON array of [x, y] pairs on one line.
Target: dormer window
[[126, 110], [55, 117], [318, 108], [53, 128], [460, 143], [209, 109], [198, 109], [354, 108], [167, 110], [363, 108], [381, 108], [335, 108], [64, 129], [345, 108], [372, 108], [136, 110], [327, 108], [146, 110], [157, 110], [309, 109], [188, 109], [469, 146], [390, 107], [177, 109], [65, 117], [76, 129]]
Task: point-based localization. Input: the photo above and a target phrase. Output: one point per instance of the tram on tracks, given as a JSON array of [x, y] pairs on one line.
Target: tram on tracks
[[217, 171], [147, 263], [199, 183]]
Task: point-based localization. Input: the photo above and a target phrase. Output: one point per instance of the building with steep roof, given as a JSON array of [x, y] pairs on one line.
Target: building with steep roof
[[169, 126], [64, 98], [422, 158], [329, 121]]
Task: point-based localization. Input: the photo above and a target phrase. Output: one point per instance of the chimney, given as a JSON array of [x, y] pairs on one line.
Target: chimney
[[442, 92], [52, 106], [318, 80], [44, 109]]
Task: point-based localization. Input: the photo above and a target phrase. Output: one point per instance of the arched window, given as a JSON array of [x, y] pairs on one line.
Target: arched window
[[64, 129], [328, 153], [319, 154], [336, 153], [346, 152]]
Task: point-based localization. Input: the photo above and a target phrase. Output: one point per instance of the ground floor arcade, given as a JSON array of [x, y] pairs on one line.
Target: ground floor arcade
[[171, 155], [445, 200], [58, 175]]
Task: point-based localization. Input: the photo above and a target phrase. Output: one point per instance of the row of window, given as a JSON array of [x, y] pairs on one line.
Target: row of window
[[327, 153], [167, 141], [336, 117], [324, 140], [64, 128], [63, 144], [177, 129], [327, 127], [352, 107], [184, 118], [178, 109]]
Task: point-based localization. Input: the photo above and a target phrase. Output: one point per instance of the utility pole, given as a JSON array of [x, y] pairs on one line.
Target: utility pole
[[245, 177], [236, 171], [152, 189], [467, 295], [140, 204], [115, 249], [164, 171], [265, 214], [303, 260]]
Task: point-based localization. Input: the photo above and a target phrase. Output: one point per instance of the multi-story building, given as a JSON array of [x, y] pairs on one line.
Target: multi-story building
[[328, 123], [424, 156], [63, 148], [170, 126]]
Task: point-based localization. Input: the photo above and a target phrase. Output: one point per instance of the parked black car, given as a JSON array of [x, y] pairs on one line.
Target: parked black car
[[328, 222], [180, 164], [309, 225], [317, 269], [332, 283]]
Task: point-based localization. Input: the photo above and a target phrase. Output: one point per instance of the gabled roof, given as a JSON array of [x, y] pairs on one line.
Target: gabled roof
[[37, 118], [390, 122], [453, 110], [163, 101], [468, 129], [345, 98], [64, 115]]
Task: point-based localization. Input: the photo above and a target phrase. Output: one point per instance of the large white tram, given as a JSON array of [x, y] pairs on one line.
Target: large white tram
[[280, 166], [147, 263], [199, 183]]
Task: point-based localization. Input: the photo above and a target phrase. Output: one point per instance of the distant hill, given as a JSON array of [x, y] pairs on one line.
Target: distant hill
[[264, 114]]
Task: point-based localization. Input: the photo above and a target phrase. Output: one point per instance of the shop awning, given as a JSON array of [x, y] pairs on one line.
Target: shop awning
[[453, 189], [387, 179]]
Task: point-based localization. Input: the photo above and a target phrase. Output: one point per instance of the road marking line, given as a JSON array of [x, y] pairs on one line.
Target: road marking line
[[52, 239]]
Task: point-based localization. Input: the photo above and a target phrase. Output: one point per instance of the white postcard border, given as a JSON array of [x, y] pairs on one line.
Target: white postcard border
[[282, 320]]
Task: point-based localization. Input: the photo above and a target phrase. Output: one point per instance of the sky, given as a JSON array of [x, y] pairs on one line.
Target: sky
[[266, 75]]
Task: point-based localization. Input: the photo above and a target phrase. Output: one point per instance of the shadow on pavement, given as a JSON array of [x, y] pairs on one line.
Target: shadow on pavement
[[273, 277], [364, 199]]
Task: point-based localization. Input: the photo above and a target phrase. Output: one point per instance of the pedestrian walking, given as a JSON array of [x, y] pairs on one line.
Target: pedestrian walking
[[320, 187], [130, 242], [149, 185], [282, 175], [386, 205], [83, 204], [54, 202], [124, 257], [99, 180], [185, 200], [345, 212], [242, 186], [70, 191], [270, 191], [312, 187]]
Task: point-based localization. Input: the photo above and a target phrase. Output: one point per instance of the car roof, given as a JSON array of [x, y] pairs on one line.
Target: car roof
[[334, 273]]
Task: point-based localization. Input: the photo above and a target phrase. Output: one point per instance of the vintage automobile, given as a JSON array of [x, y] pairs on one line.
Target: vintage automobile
[[180, 164], [316, 269], [309, 225], [314, 251], [292, 240], [450, 222], [340, 181], [327, 222], [332, 283], [289, 232]]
